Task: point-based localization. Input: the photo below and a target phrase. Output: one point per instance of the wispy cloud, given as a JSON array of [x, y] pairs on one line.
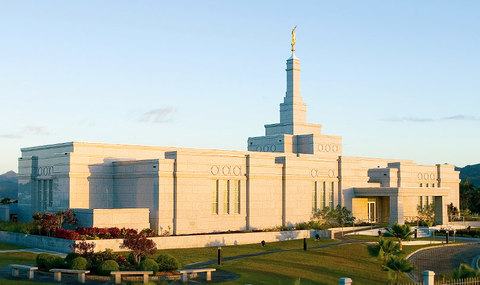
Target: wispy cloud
[[423, 119], [462, 118], [28, 130], [160, 115]]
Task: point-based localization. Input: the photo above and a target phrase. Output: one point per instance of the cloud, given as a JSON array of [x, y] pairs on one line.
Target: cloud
[[462, 118], [36, 130], [160, 115], [408, 119], [423, 120], [28, 130]]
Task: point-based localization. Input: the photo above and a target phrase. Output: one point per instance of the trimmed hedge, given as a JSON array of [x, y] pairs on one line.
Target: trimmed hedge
[[108, 266], [167, 262], [42, 259], [78, 263], [149, 265]]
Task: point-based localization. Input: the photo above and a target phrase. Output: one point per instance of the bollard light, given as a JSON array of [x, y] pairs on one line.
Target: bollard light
[[219, 255]]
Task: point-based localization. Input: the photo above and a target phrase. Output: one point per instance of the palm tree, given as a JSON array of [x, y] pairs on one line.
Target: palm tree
[[397, 265], [401, 232], [383, 249], [465, 271]]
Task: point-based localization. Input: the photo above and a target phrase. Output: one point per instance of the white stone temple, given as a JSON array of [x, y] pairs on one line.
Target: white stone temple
[[282, 179]]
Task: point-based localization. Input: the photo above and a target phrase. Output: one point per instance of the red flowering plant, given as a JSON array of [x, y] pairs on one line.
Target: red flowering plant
[[66, 234], [83, 248], [140, 246]]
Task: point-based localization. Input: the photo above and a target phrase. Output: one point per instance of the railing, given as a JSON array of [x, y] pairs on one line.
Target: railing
[[465, 281]]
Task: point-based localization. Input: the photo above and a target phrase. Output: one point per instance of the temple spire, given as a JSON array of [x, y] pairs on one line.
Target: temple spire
[[293, 110]]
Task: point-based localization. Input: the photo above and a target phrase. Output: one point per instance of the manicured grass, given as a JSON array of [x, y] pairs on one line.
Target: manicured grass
[[17, 258], [314, 266], [191, 255], [6, 246]]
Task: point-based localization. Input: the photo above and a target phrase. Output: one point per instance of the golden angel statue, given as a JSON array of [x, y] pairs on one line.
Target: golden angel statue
[[294, 39]]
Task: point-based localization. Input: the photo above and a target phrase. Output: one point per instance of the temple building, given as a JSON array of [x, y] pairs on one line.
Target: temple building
[[285, 176]]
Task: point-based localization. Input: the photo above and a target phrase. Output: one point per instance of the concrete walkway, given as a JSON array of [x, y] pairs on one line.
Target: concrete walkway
[[34, 250]]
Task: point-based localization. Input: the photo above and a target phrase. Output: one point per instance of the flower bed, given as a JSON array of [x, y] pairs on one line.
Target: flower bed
[[94, 233]]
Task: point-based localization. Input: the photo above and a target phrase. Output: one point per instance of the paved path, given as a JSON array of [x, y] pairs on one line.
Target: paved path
[[34, 250], [442, 260]]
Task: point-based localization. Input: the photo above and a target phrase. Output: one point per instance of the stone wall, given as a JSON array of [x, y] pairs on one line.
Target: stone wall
[[34, 241], [133, 218]]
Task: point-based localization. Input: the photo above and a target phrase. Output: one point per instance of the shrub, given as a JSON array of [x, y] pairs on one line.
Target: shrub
[[42, 259], [71, 256], [148, 232], [108, 266], [97, 258], [66, 234], [149, 265], [78, 263], [54, 261], [84, 248], [140, 246], [167, 262]]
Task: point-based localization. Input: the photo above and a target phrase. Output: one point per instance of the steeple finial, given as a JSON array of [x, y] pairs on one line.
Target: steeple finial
[[294, 39]]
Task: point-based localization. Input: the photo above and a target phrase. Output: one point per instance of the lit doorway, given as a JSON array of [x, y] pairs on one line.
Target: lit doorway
[[372, 212]]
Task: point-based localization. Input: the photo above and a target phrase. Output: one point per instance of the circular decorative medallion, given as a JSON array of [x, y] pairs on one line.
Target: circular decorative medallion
[[214, 170], [259, 148], [432, 176], [327, 148], [420, 176], [335, 148], [425, 176], [237, 170], [266, 148], [273, 148], [226, 170], [331, 173], [320, 147], [314, 172]]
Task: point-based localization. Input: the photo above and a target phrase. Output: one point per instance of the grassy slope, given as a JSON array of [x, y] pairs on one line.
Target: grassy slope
[[191, 255], [315, 266], [5, 246]]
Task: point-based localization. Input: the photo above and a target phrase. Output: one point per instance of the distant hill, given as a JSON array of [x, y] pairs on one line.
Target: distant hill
[[9, 185], [470, 173]]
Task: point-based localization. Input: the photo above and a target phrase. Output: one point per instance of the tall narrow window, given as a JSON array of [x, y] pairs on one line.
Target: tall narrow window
[[314, 197], [427, 200], [50, 193], [426, 185], [45, 195], [324, 194], [226, 198], [39, 195], [330, 195], [237, 196], [215, 198], [420, 201], [321, 196]]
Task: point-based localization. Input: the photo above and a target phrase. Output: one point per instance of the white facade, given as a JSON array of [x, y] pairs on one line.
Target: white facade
[[280, 180]]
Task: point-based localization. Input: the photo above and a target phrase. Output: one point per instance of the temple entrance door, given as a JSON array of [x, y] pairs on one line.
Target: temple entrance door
[[372, 212]]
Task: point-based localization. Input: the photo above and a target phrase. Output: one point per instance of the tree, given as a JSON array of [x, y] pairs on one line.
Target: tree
[[338, 215], [140, 246], [452, 211], [396, 266], [469, 197], [383, 249], [85, 249], [49, 223], [426, 213], [401, 232], [465, 271]]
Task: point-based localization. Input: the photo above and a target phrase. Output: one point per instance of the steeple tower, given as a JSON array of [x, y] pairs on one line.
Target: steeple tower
[[293, 110]]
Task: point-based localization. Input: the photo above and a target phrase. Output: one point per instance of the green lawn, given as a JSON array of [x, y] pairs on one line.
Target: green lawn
[[315, 266], [17, 258], [6, 246], [191, 255]]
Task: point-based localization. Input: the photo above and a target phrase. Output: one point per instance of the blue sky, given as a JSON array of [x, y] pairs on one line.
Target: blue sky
[[396, 79]]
